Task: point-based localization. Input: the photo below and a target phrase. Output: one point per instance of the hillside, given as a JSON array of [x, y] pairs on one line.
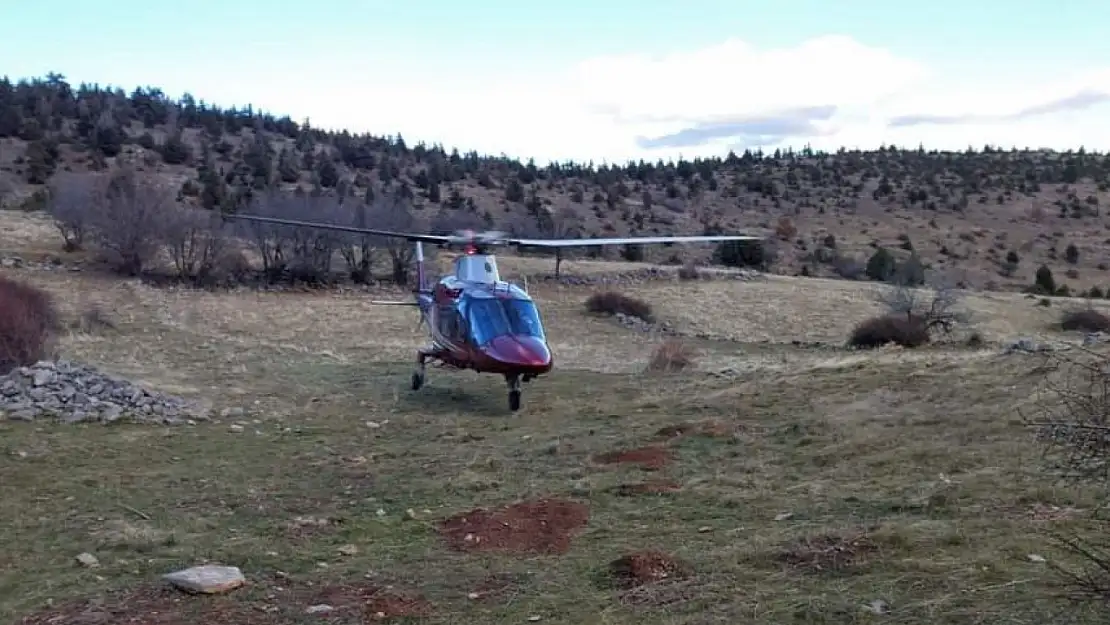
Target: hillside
[[986, 217]]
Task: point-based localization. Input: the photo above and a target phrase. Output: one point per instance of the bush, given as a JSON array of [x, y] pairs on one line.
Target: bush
[[29, 322], [671, 355], [611, 303], [689, 271], [1087, 320], [904, 330]]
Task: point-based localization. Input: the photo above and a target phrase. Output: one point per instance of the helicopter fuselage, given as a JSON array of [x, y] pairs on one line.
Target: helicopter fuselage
[[478, 321]]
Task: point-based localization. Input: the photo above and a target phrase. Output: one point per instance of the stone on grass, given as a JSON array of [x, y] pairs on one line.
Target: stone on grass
[[208, 579], [88, 560]]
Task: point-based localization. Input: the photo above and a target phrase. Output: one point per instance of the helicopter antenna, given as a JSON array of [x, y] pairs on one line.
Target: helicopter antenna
[[420, 267]]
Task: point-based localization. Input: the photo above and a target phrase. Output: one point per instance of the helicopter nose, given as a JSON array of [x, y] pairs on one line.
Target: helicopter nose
[[523, 351]]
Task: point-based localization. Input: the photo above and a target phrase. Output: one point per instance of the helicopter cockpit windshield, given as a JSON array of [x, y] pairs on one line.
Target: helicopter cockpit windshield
[[489, 318]]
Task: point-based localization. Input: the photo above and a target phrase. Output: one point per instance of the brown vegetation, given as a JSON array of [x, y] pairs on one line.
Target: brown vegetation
[[671, 355], [29, 323], [1087, 320], [904, 330], [613, 303]]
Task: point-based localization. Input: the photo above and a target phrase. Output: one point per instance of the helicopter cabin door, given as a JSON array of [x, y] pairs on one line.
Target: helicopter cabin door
[[449, 322]]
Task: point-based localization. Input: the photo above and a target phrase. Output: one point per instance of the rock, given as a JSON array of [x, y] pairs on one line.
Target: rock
[[208, 579], [321, 608], [784, 516], [1023, 344], [73, 393], [87, 560], [877, 606], [348, 550]]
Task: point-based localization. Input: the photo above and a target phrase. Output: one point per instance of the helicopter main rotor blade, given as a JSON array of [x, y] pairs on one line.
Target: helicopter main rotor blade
[[493, 238], [410, 236], [628, 240]]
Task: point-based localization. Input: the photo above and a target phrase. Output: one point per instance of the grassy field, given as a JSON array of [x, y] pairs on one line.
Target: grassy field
[[771, 484]]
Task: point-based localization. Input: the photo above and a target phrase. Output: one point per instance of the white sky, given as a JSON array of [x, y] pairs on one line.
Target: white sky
[[596, 109]]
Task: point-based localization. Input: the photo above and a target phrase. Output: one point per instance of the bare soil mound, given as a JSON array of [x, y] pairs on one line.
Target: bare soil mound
[[540, 526], [646, 567]]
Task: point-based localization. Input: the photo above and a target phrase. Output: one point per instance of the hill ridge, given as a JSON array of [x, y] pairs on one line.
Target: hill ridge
[[993, 216]]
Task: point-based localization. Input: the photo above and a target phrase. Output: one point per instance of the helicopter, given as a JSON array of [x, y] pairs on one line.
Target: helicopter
[[475, 319]]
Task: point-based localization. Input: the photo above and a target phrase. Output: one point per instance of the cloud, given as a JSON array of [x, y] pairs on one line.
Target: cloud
[[1079, 101], [829, 92], [770, 129]]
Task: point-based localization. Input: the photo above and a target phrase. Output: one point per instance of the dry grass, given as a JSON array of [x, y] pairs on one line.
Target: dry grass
[[844, 479]]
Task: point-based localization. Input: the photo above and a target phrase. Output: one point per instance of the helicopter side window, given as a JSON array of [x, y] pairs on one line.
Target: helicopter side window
[[524, 318]]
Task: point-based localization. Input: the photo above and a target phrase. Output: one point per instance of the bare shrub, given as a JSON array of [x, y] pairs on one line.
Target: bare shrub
[[196, 240], [394, 212], [6, 189], [936, 306], [312, 249], [849, 267], [93, 319], [907, 331], [612, 303], [689, 271], [358, 250], [671, 355], [1072, 422], [71, 201], [1086, 320], [127, 215], [29, 322]]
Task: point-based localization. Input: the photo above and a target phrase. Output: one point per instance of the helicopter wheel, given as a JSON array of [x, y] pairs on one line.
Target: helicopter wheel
[[514, 392]]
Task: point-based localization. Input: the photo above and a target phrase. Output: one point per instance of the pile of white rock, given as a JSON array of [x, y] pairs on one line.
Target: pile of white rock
[[75, 393]]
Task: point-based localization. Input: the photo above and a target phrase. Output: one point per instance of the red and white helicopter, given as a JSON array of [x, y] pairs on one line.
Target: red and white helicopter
[[475, 319]]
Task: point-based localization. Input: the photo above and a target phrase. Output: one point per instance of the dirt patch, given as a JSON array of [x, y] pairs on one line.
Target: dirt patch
[[371, 601], [1045, 512], [646, 567], [540, 526], [650, 487], [828, 552], [649, 458], [153, 605], [711, 428], [307, 527], [498, 587]]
